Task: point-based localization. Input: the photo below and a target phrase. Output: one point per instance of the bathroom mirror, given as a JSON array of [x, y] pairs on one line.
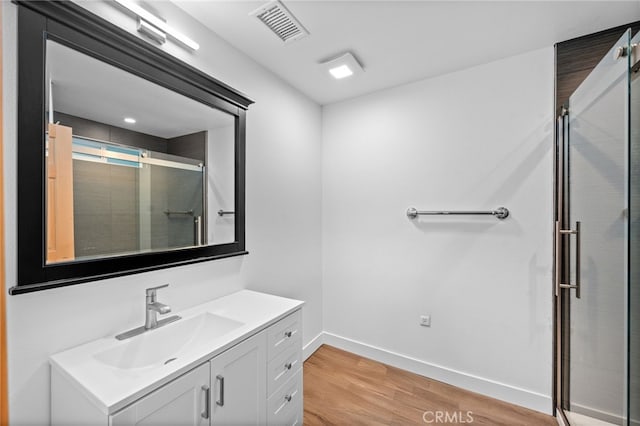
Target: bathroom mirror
[[131, 166], [128, 159]]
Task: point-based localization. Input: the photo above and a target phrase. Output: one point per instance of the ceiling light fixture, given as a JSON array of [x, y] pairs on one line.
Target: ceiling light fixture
[[130, 120], [147, 19], [341, 71], [343, 66]]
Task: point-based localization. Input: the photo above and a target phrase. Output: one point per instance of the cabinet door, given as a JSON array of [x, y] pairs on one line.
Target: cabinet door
[[180, 402], [238, 382]]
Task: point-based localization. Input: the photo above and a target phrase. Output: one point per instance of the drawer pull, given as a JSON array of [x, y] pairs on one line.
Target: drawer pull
[[287, 398], [288, 334], [288, 366]]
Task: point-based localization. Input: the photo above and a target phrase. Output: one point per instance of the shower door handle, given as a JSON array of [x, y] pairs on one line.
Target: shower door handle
[[559, 234], [197, 231]]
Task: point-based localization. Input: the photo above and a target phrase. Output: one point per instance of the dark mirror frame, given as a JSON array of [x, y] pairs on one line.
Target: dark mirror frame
[[75, 27]]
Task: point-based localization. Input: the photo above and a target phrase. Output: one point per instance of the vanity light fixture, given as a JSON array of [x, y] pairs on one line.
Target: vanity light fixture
[[150, 31], [130, 120], [343, 66], [155, 27]]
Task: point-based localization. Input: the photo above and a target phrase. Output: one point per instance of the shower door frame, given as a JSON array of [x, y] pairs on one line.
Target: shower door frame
[[561, 304]]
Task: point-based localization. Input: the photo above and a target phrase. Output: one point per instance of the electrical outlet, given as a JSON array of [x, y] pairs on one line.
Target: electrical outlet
[[425, 320]]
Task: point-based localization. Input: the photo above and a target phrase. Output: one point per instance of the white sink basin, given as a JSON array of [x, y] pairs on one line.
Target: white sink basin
[[166, 344]]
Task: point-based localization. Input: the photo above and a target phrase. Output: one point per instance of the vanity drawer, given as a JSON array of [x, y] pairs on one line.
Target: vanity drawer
[[284, 334], [284, 366], [285, 406]]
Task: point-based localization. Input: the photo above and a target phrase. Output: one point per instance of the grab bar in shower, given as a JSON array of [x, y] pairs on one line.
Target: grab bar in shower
[[179, 212], [500, 212]]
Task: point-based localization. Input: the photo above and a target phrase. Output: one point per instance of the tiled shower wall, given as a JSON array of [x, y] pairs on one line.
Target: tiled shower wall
[[105, 203]]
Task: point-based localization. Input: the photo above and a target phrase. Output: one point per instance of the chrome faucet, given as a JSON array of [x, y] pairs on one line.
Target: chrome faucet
[[153, 308]]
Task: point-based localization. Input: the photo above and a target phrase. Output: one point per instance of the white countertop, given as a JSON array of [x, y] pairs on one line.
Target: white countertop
[[111, 388]]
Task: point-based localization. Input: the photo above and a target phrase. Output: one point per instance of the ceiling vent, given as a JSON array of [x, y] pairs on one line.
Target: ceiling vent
[[279, 20]]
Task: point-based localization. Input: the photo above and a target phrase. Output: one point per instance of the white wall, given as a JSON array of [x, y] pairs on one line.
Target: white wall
[[283, 221], [475, 139], [220, 184]]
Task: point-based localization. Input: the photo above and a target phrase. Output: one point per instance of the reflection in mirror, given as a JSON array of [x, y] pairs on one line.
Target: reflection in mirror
[[131, 166]]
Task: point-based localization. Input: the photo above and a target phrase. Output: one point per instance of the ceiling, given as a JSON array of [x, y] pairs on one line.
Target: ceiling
[[88, 88], [402, 41]]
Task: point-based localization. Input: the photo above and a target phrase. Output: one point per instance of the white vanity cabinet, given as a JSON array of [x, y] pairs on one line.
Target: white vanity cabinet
[[284, 371], [259, 381], [228, 390], [180, 402], [249, 376], [238, 381]]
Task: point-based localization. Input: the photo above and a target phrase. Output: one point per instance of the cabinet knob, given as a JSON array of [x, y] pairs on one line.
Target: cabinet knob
[[288, 366], [288, 334], [287, 398]]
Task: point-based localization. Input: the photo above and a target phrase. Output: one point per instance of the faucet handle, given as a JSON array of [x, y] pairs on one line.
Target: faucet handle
[[152, 290]]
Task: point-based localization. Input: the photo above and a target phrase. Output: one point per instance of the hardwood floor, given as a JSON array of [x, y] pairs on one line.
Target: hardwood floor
[[341, 388]]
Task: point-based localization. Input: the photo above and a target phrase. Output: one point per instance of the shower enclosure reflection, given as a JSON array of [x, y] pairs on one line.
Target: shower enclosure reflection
[[132, 167], [128, 199]]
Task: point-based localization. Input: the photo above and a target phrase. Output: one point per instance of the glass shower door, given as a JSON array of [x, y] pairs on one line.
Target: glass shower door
[[593, 287]]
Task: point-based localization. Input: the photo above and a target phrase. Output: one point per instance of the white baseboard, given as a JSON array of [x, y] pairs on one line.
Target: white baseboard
[[502, 391], [312, 346]]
